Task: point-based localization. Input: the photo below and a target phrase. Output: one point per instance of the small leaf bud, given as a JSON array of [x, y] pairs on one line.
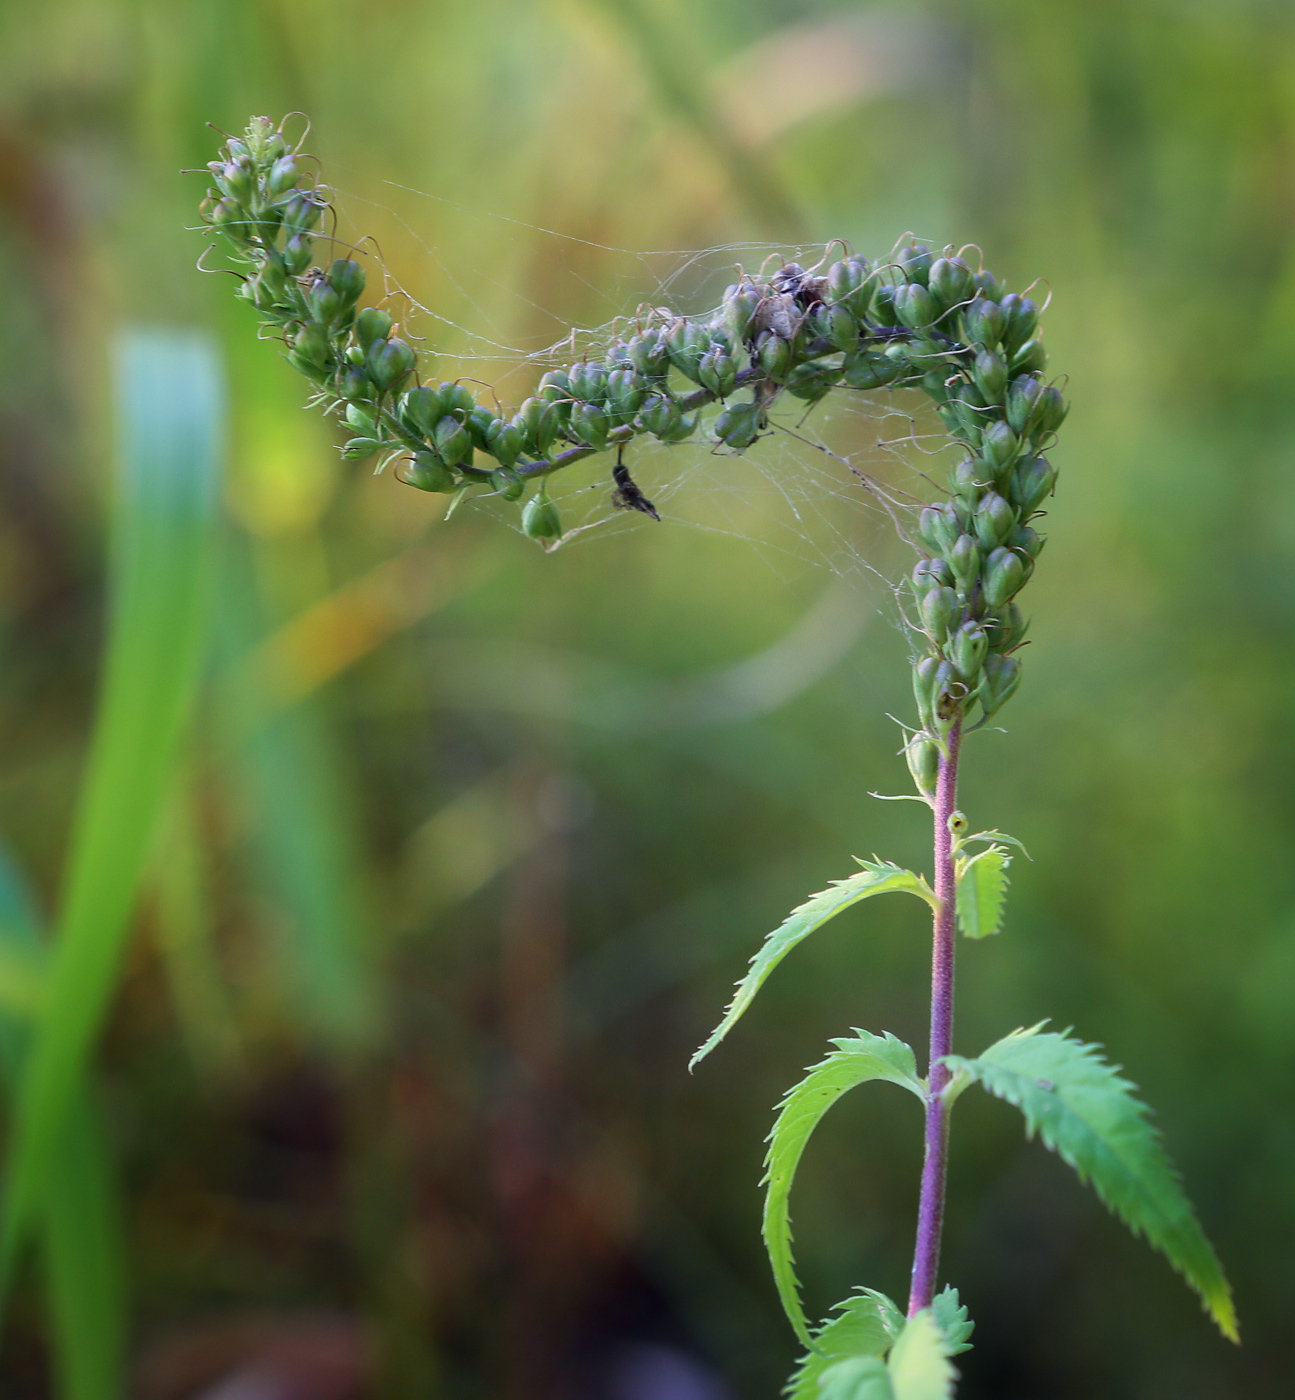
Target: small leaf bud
[[1052, 410], [588, 382], [968, 480], [989, 285], [625, 391], [554, 386], [842, 328], [301, 213], [310, 349], [925, 677], [1027, 541], [479, 422], [812, 380], [538, 425], [1023, 399], [648, 354], [297, 253], [927, 573]]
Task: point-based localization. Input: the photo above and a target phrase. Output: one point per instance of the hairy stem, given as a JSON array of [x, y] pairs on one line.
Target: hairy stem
[[930, 1216]]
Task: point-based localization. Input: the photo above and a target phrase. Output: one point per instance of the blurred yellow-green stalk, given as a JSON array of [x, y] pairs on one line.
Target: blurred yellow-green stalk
[[464, 844]]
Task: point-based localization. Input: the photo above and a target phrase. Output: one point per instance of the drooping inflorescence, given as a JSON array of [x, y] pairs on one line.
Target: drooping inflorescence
[[918, 321]]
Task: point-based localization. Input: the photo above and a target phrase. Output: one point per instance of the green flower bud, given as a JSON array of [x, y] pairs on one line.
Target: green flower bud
[[283, 176], [361, 447], [842, 328], [915, 306], [429, 473], [951, 281], [590, 424], [940, 609], [371, 325], [937, 528], [922, 755], [660, 415], [504, 443], [540, 520], [1031, 482], [1008, 629], [774, 356], [994, 521], [967, 651], [390, 363], [453, 441], [1030, 357], [1004, 576], [1021, 317], [871, 371], [812, 380], [740, 304], [420, 409], [346, 277], [964, 560], [718, 373], [883, 306], [983, 323], [297, 253], [916, 262], [507, 484], [1001, 676], [999, 446], [739, 425], [990, 375]]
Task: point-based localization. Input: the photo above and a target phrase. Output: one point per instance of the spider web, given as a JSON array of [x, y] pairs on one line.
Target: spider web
[[832, 486]]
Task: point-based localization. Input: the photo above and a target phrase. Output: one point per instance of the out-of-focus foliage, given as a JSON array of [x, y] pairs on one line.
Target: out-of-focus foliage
[[469, 842]]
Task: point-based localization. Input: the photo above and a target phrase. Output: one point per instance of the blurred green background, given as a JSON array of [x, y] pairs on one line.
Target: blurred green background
[[467, 842]]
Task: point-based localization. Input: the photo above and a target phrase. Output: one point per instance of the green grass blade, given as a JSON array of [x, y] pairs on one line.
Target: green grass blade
[[873, 879], [853, 1062], [1086, 1113], [170, 413], [982, 890]]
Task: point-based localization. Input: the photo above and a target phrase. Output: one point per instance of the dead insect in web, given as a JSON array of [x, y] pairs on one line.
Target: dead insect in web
[[627, 496]]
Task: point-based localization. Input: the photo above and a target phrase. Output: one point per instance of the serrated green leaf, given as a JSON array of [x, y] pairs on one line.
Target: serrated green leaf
[[866, 1324], [982, 887], [1086, 1113], [874, 878], [951, 1317], [853, 1062], [856, 1378], [919, 1363]]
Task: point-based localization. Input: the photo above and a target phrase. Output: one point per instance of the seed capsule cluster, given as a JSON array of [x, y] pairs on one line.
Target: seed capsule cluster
[[918, 321]]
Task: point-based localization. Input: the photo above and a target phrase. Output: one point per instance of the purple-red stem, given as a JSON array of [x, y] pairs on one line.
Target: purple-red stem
[[930, 1213]]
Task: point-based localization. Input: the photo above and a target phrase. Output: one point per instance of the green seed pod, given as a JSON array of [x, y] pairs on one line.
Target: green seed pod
[[926, 675], [685, 428], [429, 473], [916, 262], [1026, 540], [741, 302], [659, 415], [504, 443], [968, 480], [323, 303], [554, 386], [1031, 482], [1031, 357], [842, 328], [964, 560], [927, 573], [507, 484], [774, 355], [1052, 410], [940, 609], [717, 372], [686, 343], [361, 447], [990, 375], [539, 424], [739, 425], [1021, 317], [540, 520], [479, 423], [994, 521], [302, 212], [811, 381], [936, 383], [1023, 399], [311, 349], [372, 325], [922, 755], [457, 399], [983, 323], [850, 285], [297, 253], [283, 176], [999, 446], [948, 692], [951, 281], [363, 423], [390, 363], [453, 441], [1008, 629], [590, 424], [1004, 576], [915, 306], [229, 216], [967, 651], [354, 384], [883, 306], [346, 277], [1001, 676], [588, 382], [870, 371], [989, 286], [420, 409], [937, 528]]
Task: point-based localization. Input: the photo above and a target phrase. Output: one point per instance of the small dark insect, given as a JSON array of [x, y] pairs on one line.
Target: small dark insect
[[627, 496]]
